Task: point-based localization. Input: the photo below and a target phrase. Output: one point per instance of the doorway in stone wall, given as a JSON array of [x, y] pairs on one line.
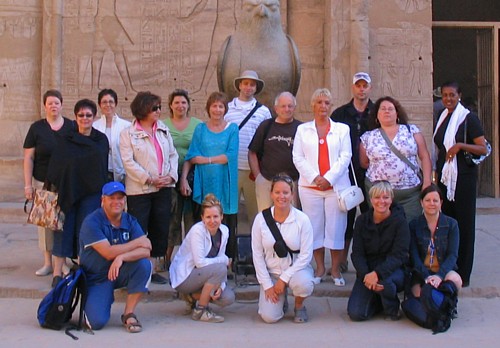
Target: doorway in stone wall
[[468, 53]]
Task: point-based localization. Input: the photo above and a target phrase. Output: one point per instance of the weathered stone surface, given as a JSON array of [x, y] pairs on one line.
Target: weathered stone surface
[[158, 45]]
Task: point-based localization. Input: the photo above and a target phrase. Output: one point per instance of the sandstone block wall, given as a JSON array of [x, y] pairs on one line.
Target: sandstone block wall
[[81, 46]]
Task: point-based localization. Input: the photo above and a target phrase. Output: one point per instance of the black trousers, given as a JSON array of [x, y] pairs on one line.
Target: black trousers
[[463, 209], [152, 211]]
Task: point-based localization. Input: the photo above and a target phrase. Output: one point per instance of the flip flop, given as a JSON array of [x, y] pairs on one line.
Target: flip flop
[[131, 327]]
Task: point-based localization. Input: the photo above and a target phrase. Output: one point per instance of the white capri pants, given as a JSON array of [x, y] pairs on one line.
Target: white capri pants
[[328, 222], [301, 284]]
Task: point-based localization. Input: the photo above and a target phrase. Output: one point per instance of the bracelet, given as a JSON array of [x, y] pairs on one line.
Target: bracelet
[[25, 187], [209, 160]]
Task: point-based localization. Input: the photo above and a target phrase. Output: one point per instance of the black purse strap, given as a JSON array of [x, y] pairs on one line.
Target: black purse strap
[[272, 225], [275, 231], [396, 151], [245, 120]]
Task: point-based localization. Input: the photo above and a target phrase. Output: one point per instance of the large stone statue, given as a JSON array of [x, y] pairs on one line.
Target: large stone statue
[[260, 44]]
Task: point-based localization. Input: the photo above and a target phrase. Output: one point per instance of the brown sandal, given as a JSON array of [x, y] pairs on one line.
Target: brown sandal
[[131, 327]]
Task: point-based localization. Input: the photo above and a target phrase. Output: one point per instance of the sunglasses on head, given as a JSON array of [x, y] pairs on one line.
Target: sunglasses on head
[[282, 177], [156, 108]]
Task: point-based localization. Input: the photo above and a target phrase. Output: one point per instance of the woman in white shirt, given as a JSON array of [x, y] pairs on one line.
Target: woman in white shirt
[[276, 273], [111, 125], [199, 269], [321, 154]]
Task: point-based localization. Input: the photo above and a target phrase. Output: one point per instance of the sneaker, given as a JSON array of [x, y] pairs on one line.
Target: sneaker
[[158, 279], [301, 315], [206, 315]]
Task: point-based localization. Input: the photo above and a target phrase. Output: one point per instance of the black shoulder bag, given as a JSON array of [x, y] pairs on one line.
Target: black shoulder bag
[[245, 120], [280, 246]]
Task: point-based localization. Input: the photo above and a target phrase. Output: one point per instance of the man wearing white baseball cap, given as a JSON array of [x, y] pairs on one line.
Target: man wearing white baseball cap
[[355, 115], [248, 114]]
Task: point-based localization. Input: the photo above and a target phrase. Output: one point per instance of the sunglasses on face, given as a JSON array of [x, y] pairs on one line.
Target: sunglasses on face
[[85, 115], [156, 108]]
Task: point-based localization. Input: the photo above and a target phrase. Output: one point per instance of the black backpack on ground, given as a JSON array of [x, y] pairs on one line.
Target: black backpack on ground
[[57, 307], [435, 308]]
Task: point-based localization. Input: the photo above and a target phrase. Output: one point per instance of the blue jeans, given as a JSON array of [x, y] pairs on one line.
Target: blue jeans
[[364, 303], [133, 275], [152, 211], [66, 241]]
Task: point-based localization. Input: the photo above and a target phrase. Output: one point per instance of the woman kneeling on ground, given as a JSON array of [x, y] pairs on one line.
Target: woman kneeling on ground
[[199, 269], [379, 253], [293, 268], [434, 244]]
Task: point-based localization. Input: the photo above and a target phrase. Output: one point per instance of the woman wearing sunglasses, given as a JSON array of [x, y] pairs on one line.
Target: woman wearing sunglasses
[[150, 161], [78, 169]]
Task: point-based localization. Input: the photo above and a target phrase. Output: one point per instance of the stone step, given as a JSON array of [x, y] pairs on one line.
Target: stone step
[[11, 179], [12, 212]]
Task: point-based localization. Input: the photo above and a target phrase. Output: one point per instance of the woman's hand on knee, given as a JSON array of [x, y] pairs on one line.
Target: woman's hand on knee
[[271, 295], [433, 280]]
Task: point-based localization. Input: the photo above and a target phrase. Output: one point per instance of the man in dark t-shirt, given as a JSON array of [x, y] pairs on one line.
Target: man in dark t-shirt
[[355, 115], [270, 151]]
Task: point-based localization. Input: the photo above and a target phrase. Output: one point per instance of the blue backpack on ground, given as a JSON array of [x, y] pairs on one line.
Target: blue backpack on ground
[[435, 308], [57, 307]]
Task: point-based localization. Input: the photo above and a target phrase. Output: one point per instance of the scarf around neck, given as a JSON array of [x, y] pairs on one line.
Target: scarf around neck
[[449, 172]]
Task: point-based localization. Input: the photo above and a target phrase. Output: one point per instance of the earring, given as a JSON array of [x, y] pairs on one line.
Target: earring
[[397, 120]]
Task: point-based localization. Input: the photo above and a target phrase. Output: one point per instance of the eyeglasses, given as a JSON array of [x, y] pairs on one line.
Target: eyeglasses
[[85, 115], [156, 108], [108, 102], [282, 177], [387, 109]]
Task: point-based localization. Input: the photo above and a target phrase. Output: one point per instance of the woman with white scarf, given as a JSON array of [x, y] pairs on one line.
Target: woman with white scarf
[[458, 130]]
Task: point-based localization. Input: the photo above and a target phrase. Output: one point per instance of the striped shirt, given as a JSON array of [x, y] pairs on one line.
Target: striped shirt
[[237, 112]]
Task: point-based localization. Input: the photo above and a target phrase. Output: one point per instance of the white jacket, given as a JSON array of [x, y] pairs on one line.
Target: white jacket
[[305, 154], [139, 158], [117, 125], [193, 251], [297, 233]]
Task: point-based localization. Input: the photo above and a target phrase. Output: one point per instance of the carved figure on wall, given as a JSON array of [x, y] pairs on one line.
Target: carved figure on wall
[[260, 44], [110, 34]]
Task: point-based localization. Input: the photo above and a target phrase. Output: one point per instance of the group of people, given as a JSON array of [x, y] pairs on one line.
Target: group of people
[[187, 175]]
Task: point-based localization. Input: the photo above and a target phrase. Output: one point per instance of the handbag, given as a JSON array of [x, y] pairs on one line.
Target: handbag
[[350, 197], [44, 211], [470, 159]]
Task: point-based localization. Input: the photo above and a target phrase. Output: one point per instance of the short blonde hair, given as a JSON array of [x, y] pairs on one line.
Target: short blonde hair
[[321, 92], [380, 187]]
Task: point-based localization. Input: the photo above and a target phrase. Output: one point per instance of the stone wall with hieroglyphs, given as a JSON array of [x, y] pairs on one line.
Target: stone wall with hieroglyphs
[[81, 46]]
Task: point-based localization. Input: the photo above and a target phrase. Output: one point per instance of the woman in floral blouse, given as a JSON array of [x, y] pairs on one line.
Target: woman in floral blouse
[[382, 163]]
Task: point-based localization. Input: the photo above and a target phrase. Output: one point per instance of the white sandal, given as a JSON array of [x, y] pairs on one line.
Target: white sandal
[[338, 281]]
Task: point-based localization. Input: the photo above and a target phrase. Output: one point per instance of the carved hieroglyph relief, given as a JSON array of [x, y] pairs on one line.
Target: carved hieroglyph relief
[[403, 59], [410, 6], [127, 45]]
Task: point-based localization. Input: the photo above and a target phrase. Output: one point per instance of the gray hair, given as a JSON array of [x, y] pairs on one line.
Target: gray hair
[[287, 94]]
